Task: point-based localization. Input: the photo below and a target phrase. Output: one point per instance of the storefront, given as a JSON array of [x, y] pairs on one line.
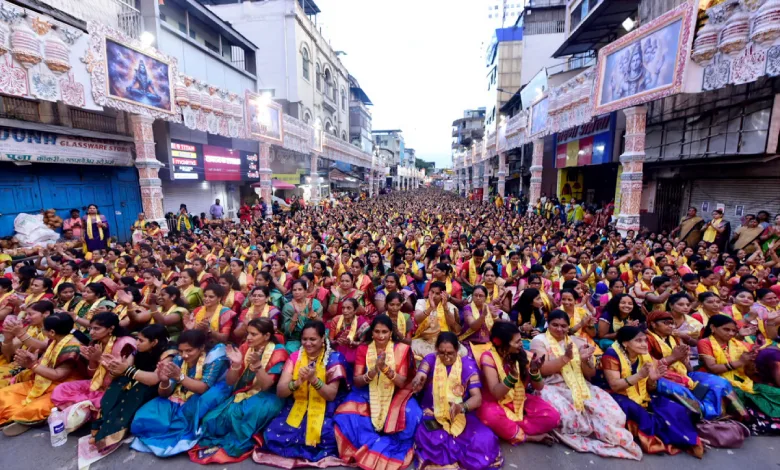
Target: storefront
[[204, 167], [584, 159], [43, 170]]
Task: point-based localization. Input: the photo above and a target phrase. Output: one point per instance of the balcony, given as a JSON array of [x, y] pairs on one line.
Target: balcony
[[328, 103], [129, 18], [600, 24]]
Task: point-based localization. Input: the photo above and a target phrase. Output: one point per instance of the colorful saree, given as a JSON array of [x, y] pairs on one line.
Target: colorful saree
[[292, 333], [475, 447], [358, 439], [284, 445], [537, 417], [228, 430], [659, 424], [170, 426], [28, 402]]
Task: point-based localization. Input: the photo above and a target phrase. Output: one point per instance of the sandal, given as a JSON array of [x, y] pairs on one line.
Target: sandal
[[15, 429]]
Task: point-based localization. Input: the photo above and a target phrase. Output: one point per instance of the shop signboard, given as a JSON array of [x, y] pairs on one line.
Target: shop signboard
[[221, 164], [250, 166], [586, 144], [25, 145], [185, 162]]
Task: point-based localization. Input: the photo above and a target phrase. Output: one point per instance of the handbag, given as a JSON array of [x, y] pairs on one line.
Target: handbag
[[722, 433]]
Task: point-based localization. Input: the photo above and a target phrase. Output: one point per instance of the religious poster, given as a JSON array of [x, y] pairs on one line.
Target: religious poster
[[137, 77]]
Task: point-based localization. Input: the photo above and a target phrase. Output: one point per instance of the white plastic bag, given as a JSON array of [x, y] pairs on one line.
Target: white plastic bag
[[31, 231]]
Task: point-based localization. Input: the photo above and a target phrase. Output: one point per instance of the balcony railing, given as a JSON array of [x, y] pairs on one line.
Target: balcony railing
[[546, 3], [129, 18]]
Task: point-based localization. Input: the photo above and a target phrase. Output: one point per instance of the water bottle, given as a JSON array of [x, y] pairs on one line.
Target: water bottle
[[57, 428]]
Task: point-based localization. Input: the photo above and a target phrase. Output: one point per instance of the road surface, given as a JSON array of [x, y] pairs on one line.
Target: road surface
[[33, 451]]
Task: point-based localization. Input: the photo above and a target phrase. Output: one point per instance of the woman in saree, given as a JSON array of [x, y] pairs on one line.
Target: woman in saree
[[228, 430], [717, 231], [709, 304], [392, 284], [690, 228], [591, 421], [740, 310], [27, 335], [192, 294], [345, 290], [135, 383], [365, 287], [766, 305], [233, 298], [686, 328], [721, 353], [583, 324], [479, 320], [442, 272], [528, 314], [213, 318], [245, 281], [415, 269], [259, 307], [264, 279], [280, 279], [28, 402], [659, 424], [402, 322], [108, 341], [6, 296], [314, 378], [621, 311], [376, 423], [190, 386], [745, 236], [375, 267], [699, 391], [451, 434], [96, 233], [316, 291], [345, 331], [171, 312], [507, 409], [295, 315]]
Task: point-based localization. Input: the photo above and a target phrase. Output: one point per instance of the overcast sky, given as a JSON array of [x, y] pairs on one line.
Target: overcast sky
[[418, 61]]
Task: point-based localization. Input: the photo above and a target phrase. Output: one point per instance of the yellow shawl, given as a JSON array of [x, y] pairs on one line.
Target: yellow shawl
[[447, 388], [49, 359], [100, 372], [571, 372], [737, 377], [309, 401], [97, 220], [181, 394], [516, 395], [637, 392], [381, 389]]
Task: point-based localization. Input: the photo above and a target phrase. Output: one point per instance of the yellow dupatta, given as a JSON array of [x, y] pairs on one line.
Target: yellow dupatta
[[250, 314], [637, 392], [268, 351], [666, 350], [401, 324], [380, 390], [230, 298], [352, 327], [736, 377], [735, 313], [447, 388], [100, 372], [413, 268], [183, 219], [478, 348], [89, 227], [472, 272], [492, 293], [516, 395], [440, 318], [49, 359], [181, 395], [571, 372], [309, 401], [711, 233], [448, 285], [213, 321]]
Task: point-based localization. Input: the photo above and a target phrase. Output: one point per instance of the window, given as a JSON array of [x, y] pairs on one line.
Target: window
[[182, 27], [212, 47], [193, 34], [317, 78], [343, 100], [305, 56], [306, 117], [328, 82], [163, 17], [343, 136]]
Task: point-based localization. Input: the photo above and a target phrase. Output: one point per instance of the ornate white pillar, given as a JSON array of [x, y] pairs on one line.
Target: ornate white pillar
[[537, 161], [148, 167], [266, 190], [501, 174], [315, 179], [633, 162]]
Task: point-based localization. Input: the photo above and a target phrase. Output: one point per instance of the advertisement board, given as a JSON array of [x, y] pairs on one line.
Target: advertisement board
[[221, 164], [25, 145], [186, 163]]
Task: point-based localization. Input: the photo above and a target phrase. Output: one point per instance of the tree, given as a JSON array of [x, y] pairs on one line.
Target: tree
[[427, 166]]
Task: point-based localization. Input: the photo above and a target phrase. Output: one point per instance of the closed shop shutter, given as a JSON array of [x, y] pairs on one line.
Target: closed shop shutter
[[753, 194], [199, 196], [37, 187]]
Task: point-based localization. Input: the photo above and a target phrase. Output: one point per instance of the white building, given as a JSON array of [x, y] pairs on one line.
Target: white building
[[299, 67]]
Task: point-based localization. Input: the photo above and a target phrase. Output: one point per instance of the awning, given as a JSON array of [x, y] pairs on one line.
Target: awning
[[279, 184], [599, 28]]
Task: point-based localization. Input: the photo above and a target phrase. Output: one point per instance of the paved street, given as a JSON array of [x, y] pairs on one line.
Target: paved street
[[33, 451]]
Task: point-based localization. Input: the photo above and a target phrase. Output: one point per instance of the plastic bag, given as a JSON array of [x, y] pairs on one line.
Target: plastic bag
[[31, 231]]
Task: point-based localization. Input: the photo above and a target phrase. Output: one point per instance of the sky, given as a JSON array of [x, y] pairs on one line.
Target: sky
[[419, 61]]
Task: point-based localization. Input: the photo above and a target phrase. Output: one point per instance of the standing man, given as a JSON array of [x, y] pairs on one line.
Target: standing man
[[74, 224], [216, 211]]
